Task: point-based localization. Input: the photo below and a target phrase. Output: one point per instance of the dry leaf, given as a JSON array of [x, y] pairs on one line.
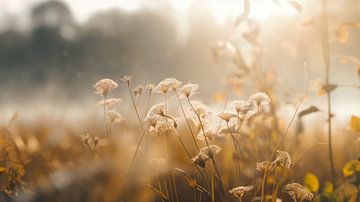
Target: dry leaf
[[307, 111]]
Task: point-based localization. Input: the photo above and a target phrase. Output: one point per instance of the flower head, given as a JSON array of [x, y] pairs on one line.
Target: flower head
[[283, 159], [205, 154], [264, 166], [227, 116], [298, 192], [104, 86], [189, 89], [201, 109], [114, 117], [138, 90], [158, 109], [110, 103], [126, 79], [241, 106], [260, 100], [167, 84], [150, 87], [241, 191]]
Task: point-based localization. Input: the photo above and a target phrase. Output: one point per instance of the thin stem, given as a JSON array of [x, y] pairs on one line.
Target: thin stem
[[137, 148], [105, 122], [135, 108], [187, 121], [326, 55], [236, 151]]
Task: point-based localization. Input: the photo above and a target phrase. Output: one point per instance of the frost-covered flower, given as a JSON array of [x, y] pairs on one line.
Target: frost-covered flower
[[227, 116], [298, 192], [283, 159], [205, 154], [241, 191], [115, 117], [189, 89], [104, 86], [167, 84], [110, 103]]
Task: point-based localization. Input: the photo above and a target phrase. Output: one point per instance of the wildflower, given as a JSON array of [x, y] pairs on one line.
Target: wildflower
[[241, 106], [158, 109], [86, 139], [260, 100], [241, 191], [126, 79], [114, 117], [96, 141], [110, 103], [150, 88], [151, 120], [298, 192], [283, 159], [205, 154], [201, 109], [104, 86], [209, 134], [189, 89], [163, 127], [227, 116], [167, 84], [264, 166], [138, 90]]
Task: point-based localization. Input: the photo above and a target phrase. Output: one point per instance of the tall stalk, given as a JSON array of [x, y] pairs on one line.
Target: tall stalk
[[326, 57]]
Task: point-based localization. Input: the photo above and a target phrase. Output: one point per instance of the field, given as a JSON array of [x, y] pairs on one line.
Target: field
[[165, 141]]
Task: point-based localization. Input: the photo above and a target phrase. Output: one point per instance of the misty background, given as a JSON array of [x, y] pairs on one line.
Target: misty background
[[50, 52]]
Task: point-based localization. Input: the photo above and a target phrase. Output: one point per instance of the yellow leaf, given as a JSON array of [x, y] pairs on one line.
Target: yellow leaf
[[328, 188], [351, 168], [311, 182], [355, 124]]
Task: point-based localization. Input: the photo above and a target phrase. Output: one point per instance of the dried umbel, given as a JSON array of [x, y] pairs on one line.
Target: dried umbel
[[104, 86], [189, 89], [138, 90], [150, 87], [205, 154], [241, 191], [283, 159], [110, 103], [167, 84], [298, 192], [158, 109], [241, 106], [114, 117], [201, 109], [126, 79], [151, 120], [164, 127], [264, 166], [227, 116], [261, 100]]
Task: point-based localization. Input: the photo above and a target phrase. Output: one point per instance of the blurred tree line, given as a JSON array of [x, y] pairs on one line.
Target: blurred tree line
[[59, 51]]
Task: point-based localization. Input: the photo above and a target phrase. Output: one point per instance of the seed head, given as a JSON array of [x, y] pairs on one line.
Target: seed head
[[241, 191], [260, 99], [167, 84], [227, 116], [126, 79], [158, 109], [189, 89], [264, 166], [109, 103], [298, 192], [104, 86], [283, 159], [115, 117], [138, 90]]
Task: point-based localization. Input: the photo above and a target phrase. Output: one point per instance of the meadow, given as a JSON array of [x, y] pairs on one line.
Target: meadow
[[163, 141]]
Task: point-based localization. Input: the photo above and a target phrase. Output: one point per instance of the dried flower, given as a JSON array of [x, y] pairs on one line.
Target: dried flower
[[126, 79], [150, 88], [158, 109], [201, 109], [283, 159], [86, 139], [167, 84], [138, 90], [163, 127], [205, 154], [110, 103], [104, 86], [189, 89], [260, 99], [264, 166], [227, 116], [210, 134], [114, 117], [241, 191], [151, 120], [298, 192], [96, 141], [241, 106]]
